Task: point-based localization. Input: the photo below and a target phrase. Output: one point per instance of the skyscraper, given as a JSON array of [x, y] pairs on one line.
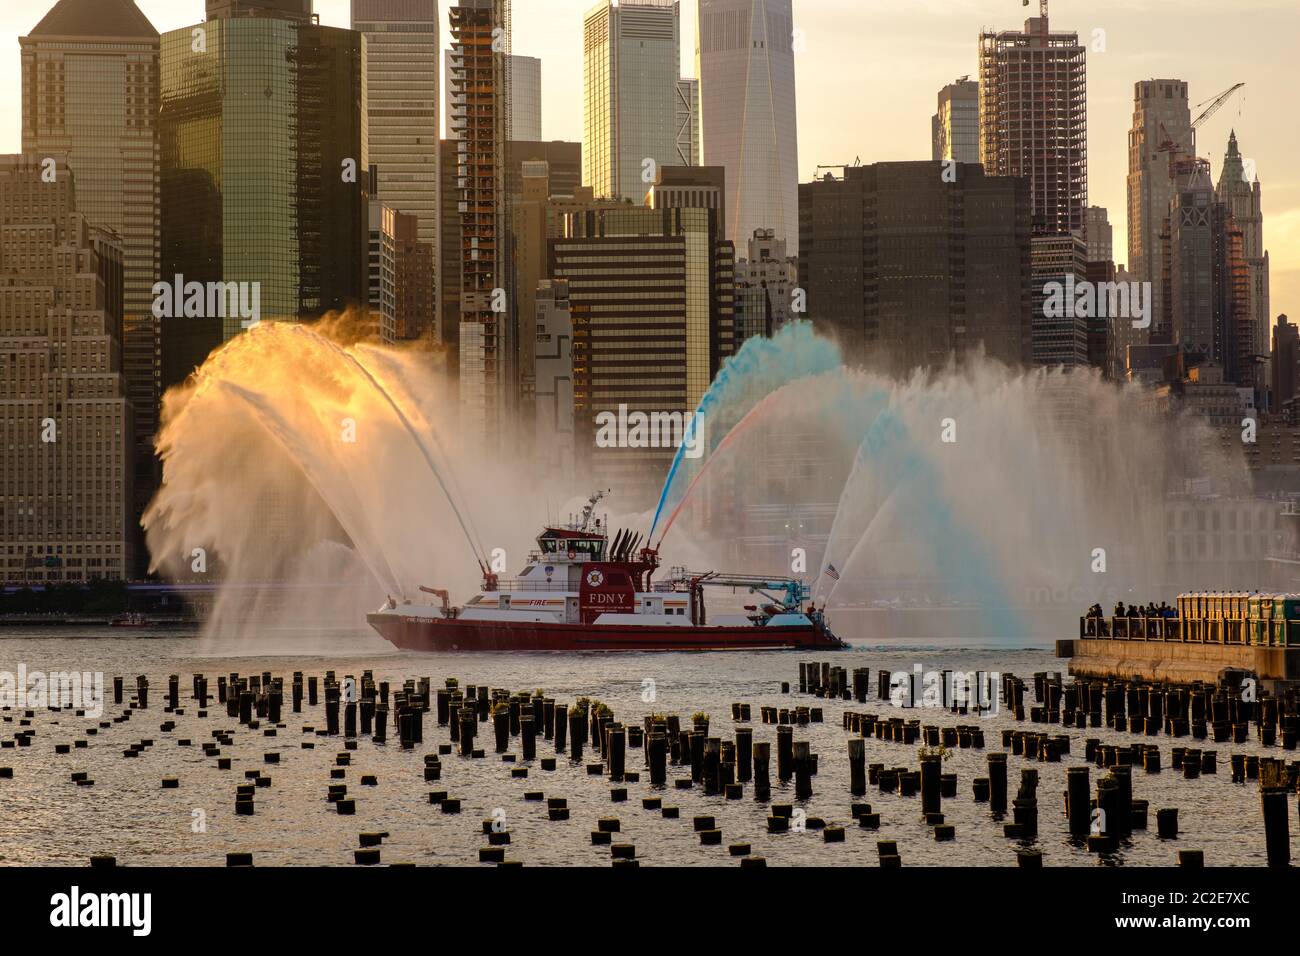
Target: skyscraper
[[1161, 134], [545, 194], [747, 113], [1060, 332], [1209, 291], [765, 279], [563, 165], [65, 418], [631, 60], [1286, 363], [1100, 268], [907, 270], [402, 128], [1101, 244], [415, 271], [381, 278], [650, 295], [280, 9], [697, 187], [479, 116], [449, 250], [1121, 336], [688, 121], [1034, 120], [553, 372], [400, 279], [525, 77], [955, 128], [525, 98], [90, 93], [263, 169], [528, 235], [1239, 189]]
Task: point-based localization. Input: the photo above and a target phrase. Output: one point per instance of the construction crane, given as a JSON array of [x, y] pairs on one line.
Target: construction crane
[[1169, 146], [1215, 105]]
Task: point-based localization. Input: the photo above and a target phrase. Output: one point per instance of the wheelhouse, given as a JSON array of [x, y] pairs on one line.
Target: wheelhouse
[[560, 543]]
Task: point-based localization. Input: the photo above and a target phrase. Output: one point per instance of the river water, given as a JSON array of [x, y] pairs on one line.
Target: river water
[[46, 819]]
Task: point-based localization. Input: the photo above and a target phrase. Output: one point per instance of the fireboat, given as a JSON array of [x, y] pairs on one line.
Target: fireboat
[[580, 591]]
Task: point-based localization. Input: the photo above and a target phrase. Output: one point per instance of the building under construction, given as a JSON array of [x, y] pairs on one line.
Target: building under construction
[[1034, 119], [478, 81]]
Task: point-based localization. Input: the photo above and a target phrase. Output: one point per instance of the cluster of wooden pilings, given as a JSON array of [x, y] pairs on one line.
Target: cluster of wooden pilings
[[963, 692], [518, 727], [1223, 713], [530, 731], [1103, 819]]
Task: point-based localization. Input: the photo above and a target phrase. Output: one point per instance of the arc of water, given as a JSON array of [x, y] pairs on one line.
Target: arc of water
[[737, 429], [912, 474], [679, 457], [471, 536], [460, 502], [845, 492], [794, 352], [274, 427]]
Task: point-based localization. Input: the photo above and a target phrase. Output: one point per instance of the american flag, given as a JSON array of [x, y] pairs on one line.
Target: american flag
[[832, 573]]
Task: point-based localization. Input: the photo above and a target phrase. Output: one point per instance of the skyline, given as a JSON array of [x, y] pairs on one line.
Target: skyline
[[294, 389], [837, 123]]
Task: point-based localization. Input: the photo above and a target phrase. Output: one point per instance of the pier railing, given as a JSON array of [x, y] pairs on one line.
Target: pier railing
[[1243, 631]]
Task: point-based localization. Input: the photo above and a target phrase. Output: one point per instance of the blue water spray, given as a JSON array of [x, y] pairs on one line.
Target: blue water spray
[[958, 556], [761, 366]]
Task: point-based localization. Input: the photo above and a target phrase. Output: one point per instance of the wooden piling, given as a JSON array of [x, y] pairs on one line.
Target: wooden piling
[[857, 766], [997, 784], [1274, 801], [762, 785]]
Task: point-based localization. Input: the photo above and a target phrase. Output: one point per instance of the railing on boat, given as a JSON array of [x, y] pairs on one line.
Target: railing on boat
[[526, 584], [1241, 631]]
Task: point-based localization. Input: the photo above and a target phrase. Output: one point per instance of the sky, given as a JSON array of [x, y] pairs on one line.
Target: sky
[[869, 72]]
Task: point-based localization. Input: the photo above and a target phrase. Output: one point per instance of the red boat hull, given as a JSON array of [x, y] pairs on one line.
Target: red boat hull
[[450, 634]]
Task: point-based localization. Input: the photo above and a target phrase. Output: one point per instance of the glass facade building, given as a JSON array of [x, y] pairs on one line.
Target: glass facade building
[[525, 98], [955, 128], [402, 104], [747, 113], [260, 126], [632, 57]]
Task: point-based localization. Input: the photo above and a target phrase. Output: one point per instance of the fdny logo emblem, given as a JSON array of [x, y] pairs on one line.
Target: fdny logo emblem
[[595, 578]]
